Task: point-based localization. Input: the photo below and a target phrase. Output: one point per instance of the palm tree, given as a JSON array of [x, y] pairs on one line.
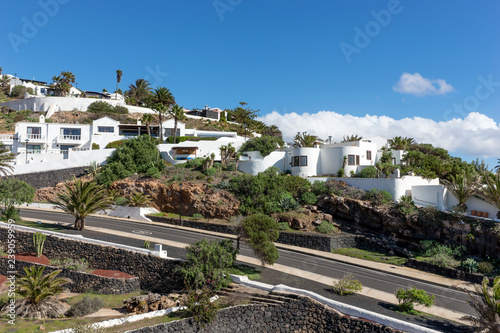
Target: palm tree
[[140, 91], [400, 143], [497, 168], [119, 74], [177, 112], [305, 140], [161, 102], [138, 199], [6, 159], [487, 305], [38, 291], [4, 82], [463, 187], [351, 138], [491, 191], [147, 119], [82, 199], [62, 83]]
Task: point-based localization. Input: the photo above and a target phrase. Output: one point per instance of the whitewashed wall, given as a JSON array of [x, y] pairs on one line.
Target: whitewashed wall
[[259, 164], [205, 148]]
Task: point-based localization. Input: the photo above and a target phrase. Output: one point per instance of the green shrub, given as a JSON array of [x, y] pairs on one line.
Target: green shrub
[[18, 91], [340, 188], [85, 306], [95, 146], [90, 328], [260, 231], [100, 107], [341, 173], [286, 202], [120, 109], [485, 267], [406, 205], [283, 226], [430, 217], [199, 306], [408, 297], [153, 172], [325, 227], [146, 244], [368, 172], [210, 171], [197, 216], [378, 197], [264, 144], [347, 285], [308, 198], [319, 188], [115, 144], [441, 260], [470, 265]]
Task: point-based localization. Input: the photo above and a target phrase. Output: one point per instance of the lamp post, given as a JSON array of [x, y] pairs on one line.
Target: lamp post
[[27, 140]]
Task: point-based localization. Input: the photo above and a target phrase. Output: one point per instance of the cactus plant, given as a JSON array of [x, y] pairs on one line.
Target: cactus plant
[[147, 244], [38, 242]]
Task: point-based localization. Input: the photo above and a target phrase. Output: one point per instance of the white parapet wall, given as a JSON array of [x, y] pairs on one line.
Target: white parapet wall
[[397, 187], [254, 163], [65, 104], [55, 161]]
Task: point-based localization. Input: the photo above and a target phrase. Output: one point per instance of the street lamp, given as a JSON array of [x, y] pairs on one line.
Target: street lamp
[[27, 140]]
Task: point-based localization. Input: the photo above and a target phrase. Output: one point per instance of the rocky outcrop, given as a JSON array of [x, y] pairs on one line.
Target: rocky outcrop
[[152, 302], [305, 219], [192, 198]]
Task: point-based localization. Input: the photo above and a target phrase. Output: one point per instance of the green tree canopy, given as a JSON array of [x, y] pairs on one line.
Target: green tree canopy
[[63, 83], [133, 156], [15, 192], [260, 231], [304, 140], [264, 144]]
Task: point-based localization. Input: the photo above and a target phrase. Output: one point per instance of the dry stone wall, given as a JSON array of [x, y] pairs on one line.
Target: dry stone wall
[[50, 178], [155, 274], [302, 314]]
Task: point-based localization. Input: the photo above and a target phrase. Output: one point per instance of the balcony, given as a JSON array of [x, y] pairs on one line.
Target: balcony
[[7, 138], [69, 139], [32, 138]]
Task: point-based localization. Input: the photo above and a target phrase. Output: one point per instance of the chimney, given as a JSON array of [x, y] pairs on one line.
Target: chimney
[[42, 119], [139, 122]]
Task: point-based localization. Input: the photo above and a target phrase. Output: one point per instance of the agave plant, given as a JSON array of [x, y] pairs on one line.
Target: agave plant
[[39, 293]]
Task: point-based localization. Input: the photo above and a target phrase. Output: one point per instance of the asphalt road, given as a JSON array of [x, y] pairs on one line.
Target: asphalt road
[[445, 297]]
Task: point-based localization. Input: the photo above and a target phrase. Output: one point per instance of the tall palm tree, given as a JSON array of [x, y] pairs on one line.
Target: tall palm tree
[[140, 91], [38, 291], [350, 138], [491, 191], [400, 143], [82, 199], [119, 74], [304, 140], [463, 187], [138, 199], [6, 159], [177, 112], [161, 101], [497, 168], [63, 83], [147, 119], [486, 302]]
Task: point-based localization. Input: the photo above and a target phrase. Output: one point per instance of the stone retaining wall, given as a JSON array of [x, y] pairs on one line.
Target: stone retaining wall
[[302, 314], [50, 178], [210, 226], [445, 271], [155, 274], [81, 281]]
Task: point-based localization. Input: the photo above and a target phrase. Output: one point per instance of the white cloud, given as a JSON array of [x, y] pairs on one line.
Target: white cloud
[[476, 135], [415, 84]]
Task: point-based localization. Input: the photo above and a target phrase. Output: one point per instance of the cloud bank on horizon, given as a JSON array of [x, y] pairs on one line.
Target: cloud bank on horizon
[[415, 84], [475, 135]]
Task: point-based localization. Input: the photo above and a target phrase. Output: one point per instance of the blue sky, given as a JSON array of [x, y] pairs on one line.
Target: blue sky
[[423, 69]]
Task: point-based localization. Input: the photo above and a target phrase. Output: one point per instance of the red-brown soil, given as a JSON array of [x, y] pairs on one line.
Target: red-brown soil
[[31, 257], [3, 279], [113, 274]]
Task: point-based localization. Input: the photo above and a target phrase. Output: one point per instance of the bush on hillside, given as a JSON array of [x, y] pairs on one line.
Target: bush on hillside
[[18, 91], [103, 107], [368, 172], [85, 306], [378, 197], [341, 189], [136, 155], [264, 144]]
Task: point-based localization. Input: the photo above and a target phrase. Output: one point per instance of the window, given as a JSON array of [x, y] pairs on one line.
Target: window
[[299, 161], [369, 155], [295, 161], [353, 159], [34, 133], [303, 160], [34, 149], [65, 148], [105, 129], [71, 131]]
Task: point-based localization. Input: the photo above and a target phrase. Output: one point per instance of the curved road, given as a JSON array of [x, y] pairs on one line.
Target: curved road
[[445, 297]]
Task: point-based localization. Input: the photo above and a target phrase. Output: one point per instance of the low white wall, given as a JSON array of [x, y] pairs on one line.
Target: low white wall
[[205, 148], [135, 213], [397, 187], [257, 164], [341, 307], [49, 162], [66, 104]]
